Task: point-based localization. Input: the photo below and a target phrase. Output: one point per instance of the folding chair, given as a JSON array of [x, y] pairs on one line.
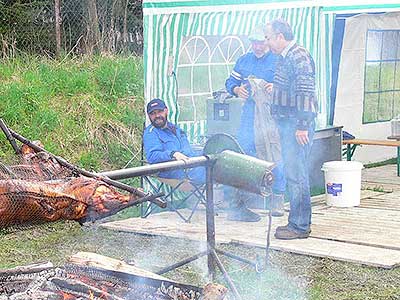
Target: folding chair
[[177, 193]]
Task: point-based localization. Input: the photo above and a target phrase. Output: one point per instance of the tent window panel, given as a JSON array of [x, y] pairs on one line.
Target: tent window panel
[[201, 107], [184, 57], [186, 109], [200, 79], [374, 45], [387, 76], [219, 74], [370, 108], [382, 75], [397, 76], [372, 77], [184, 85], [194, 50], [390, 44], [192, 108], [385, 107], [396, 103]]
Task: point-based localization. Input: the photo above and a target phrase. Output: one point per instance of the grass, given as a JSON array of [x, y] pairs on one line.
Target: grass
[[88, 110]]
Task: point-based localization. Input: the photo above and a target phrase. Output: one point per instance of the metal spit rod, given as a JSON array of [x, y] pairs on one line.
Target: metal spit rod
[[191, 162]]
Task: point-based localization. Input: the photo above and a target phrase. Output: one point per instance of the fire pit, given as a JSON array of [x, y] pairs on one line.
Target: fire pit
[[77, 282], [93, 276]]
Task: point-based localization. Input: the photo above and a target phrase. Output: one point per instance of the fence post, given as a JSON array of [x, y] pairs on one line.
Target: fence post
[[94, 31], [57, 26]]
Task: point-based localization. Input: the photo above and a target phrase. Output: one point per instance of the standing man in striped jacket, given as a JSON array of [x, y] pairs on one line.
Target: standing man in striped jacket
[[294, 107]]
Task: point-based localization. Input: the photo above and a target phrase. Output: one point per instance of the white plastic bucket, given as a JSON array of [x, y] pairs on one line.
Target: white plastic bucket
[[342, 183]]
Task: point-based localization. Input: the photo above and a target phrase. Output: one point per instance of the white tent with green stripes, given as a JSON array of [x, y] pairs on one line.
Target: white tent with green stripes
[[190, 47]]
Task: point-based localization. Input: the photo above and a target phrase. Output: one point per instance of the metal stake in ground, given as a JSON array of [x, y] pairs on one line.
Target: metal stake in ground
[[9, 137]]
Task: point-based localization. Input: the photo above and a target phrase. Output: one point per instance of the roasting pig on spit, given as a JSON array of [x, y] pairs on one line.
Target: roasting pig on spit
[[40, 190]]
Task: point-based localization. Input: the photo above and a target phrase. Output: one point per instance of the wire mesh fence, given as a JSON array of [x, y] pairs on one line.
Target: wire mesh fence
[[51, 27]]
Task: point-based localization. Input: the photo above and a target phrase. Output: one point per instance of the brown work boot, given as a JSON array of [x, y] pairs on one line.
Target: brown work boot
[[277, 205], [279, 228], [286, 233]]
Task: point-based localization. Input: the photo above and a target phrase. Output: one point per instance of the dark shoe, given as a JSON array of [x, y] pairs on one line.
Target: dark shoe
[[279, 228], [242, 214], [277, 213], [286, 233]]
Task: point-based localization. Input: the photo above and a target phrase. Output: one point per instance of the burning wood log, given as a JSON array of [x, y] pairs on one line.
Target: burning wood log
[[74, 282], [83, 288], [36, 267], [211, 291], [107, 263], [214, 291]]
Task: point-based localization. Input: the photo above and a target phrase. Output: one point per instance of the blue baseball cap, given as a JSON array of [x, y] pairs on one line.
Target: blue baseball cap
[[155, 104]]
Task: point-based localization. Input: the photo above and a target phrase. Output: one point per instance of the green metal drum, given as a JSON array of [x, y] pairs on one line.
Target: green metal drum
[[220, 142], [243, 171]]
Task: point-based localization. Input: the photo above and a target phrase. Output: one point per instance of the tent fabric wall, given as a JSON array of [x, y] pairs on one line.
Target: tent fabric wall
[[164, 33], [350, 91]]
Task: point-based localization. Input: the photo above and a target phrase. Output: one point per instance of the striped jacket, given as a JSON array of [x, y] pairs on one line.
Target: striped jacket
[[294, 87]]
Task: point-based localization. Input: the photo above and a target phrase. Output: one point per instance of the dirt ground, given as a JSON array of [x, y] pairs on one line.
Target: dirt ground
[[287, 276]]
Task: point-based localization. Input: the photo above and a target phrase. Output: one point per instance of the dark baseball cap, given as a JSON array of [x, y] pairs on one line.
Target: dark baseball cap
[[155, 104]]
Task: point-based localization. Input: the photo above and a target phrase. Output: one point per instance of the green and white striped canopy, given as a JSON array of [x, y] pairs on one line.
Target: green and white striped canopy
[[168, 24]]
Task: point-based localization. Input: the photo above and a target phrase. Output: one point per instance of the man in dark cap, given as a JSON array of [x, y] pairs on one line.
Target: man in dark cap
[[164, 141]]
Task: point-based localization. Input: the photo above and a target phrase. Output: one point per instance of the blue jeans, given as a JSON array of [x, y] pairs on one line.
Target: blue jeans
[[279, 184], [296, 165]]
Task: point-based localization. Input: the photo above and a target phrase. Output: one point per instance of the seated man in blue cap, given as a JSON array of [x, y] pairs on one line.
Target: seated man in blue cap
[[164, 141]]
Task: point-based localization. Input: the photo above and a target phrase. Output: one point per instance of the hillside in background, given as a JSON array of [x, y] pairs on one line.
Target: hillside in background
[[87, 110]]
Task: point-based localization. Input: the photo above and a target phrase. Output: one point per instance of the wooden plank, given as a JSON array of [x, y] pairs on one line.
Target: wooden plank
[[107, 263], [368, 234], [381, 203], [384, 177], [360, 254], [389, 143], [381, 239], [255, 234], [391, 196], [368, 194]]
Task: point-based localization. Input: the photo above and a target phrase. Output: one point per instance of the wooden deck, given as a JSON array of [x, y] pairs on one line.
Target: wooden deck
[[368, 234]]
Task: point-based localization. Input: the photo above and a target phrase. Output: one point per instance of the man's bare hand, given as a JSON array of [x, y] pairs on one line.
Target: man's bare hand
[[302, 137], [241, 91], [180, 156]]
